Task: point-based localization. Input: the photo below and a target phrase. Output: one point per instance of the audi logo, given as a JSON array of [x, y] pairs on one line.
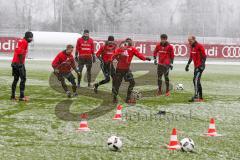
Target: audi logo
[[180, 50], [98, 44], [231, 52]]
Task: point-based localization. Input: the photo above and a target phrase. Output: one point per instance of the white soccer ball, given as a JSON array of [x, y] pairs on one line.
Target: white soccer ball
[[114, 143], [180, 86], [187, 145], [136, 95]]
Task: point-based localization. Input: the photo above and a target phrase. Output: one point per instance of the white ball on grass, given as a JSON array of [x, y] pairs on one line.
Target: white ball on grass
[[187, 145], [114, 143], [180, 86]]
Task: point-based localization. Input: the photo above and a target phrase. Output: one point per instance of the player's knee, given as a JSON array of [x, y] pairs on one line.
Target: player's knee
[[167, 79], [23, 80], [74, 83], [198, 82], [16, 79], [132, 83], [160, 76], [194, 80]]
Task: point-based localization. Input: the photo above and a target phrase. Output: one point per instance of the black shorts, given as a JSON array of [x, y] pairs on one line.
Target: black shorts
[[162, 70], [18, 71], [126, 74], [82, 62]]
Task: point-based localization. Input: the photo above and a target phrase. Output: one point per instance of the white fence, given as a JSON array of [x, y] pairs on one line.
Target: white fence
[[142, 37]]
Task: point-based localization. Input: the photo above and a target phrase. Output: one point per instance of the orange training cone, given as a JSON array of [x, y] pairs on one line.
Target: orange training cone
[[173, 144], [212, 132], [83, 127], [118, 115]]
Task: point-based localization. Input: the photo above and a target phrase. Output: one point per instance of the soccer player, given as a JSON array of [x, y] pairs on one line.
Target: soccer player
[[124, 55], [198, 56], [165, 53], [18, 65], [84, 55], [104, 54], [62, 65]]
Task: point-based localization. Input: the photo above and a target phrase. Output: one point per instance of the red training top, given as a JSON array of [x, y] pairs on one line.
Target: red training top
[[124, 57], [197, 54], [21, 49], [165, 54], [84, 48], [64, 62], [106, 52]]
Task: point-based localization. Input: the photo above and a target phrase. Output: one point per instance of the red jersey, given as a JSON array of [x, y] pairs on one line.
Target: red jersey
[[63, 62], [165, 54], [84, 48], [197, 54], [21, 49], [124, 57], [106, 52]]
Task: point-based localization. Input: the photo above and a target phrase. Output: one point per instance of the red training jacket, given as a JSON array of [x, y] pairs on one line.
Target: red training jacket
[[124, 57], [63, 62], [165, 54], [197, 53], [22, 48], [84, 48], [106, 52]]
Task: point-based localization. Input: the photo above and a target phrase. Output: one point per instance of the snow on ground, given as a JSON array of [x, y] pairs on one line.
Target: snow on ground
[[33, 131]]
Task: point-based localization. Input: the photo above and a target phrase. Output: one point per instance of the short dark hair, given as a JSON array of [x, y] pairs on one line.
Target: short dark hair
[[86, 31], [164, 36], [110, 38], [69, 46], [28, 34]]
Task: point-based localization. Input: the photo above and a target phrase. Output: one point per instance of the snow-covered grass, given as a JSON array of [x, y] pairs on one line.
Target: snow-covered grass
[[33, 130]]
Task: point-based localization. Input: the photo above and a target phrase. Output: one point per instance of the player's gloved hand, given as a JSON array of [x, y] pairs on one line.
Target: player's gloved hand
[[155, 62], [148, 59], [171, 66], [76, 58], [101, 60], [56, 70], [187, 68], [93, 58], [202, 67]]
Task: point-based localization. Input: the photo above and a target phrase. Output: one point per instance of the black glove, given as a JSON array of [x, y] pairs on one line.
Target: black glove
[[148, 59], [56, 70], [171, 66], [187, 68], [93, 59], [76, 58], [101, 60]]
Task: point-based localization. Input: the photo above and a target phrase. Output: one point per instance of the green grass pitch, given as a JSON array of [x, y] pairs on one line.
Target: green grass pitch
[[33, 130]]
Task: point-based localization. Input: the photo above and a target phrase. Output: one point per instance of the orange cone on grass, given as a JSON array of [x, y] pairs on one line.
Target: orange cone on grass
[[118, 115], [83, 126], [212, 132], [174, 143]]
